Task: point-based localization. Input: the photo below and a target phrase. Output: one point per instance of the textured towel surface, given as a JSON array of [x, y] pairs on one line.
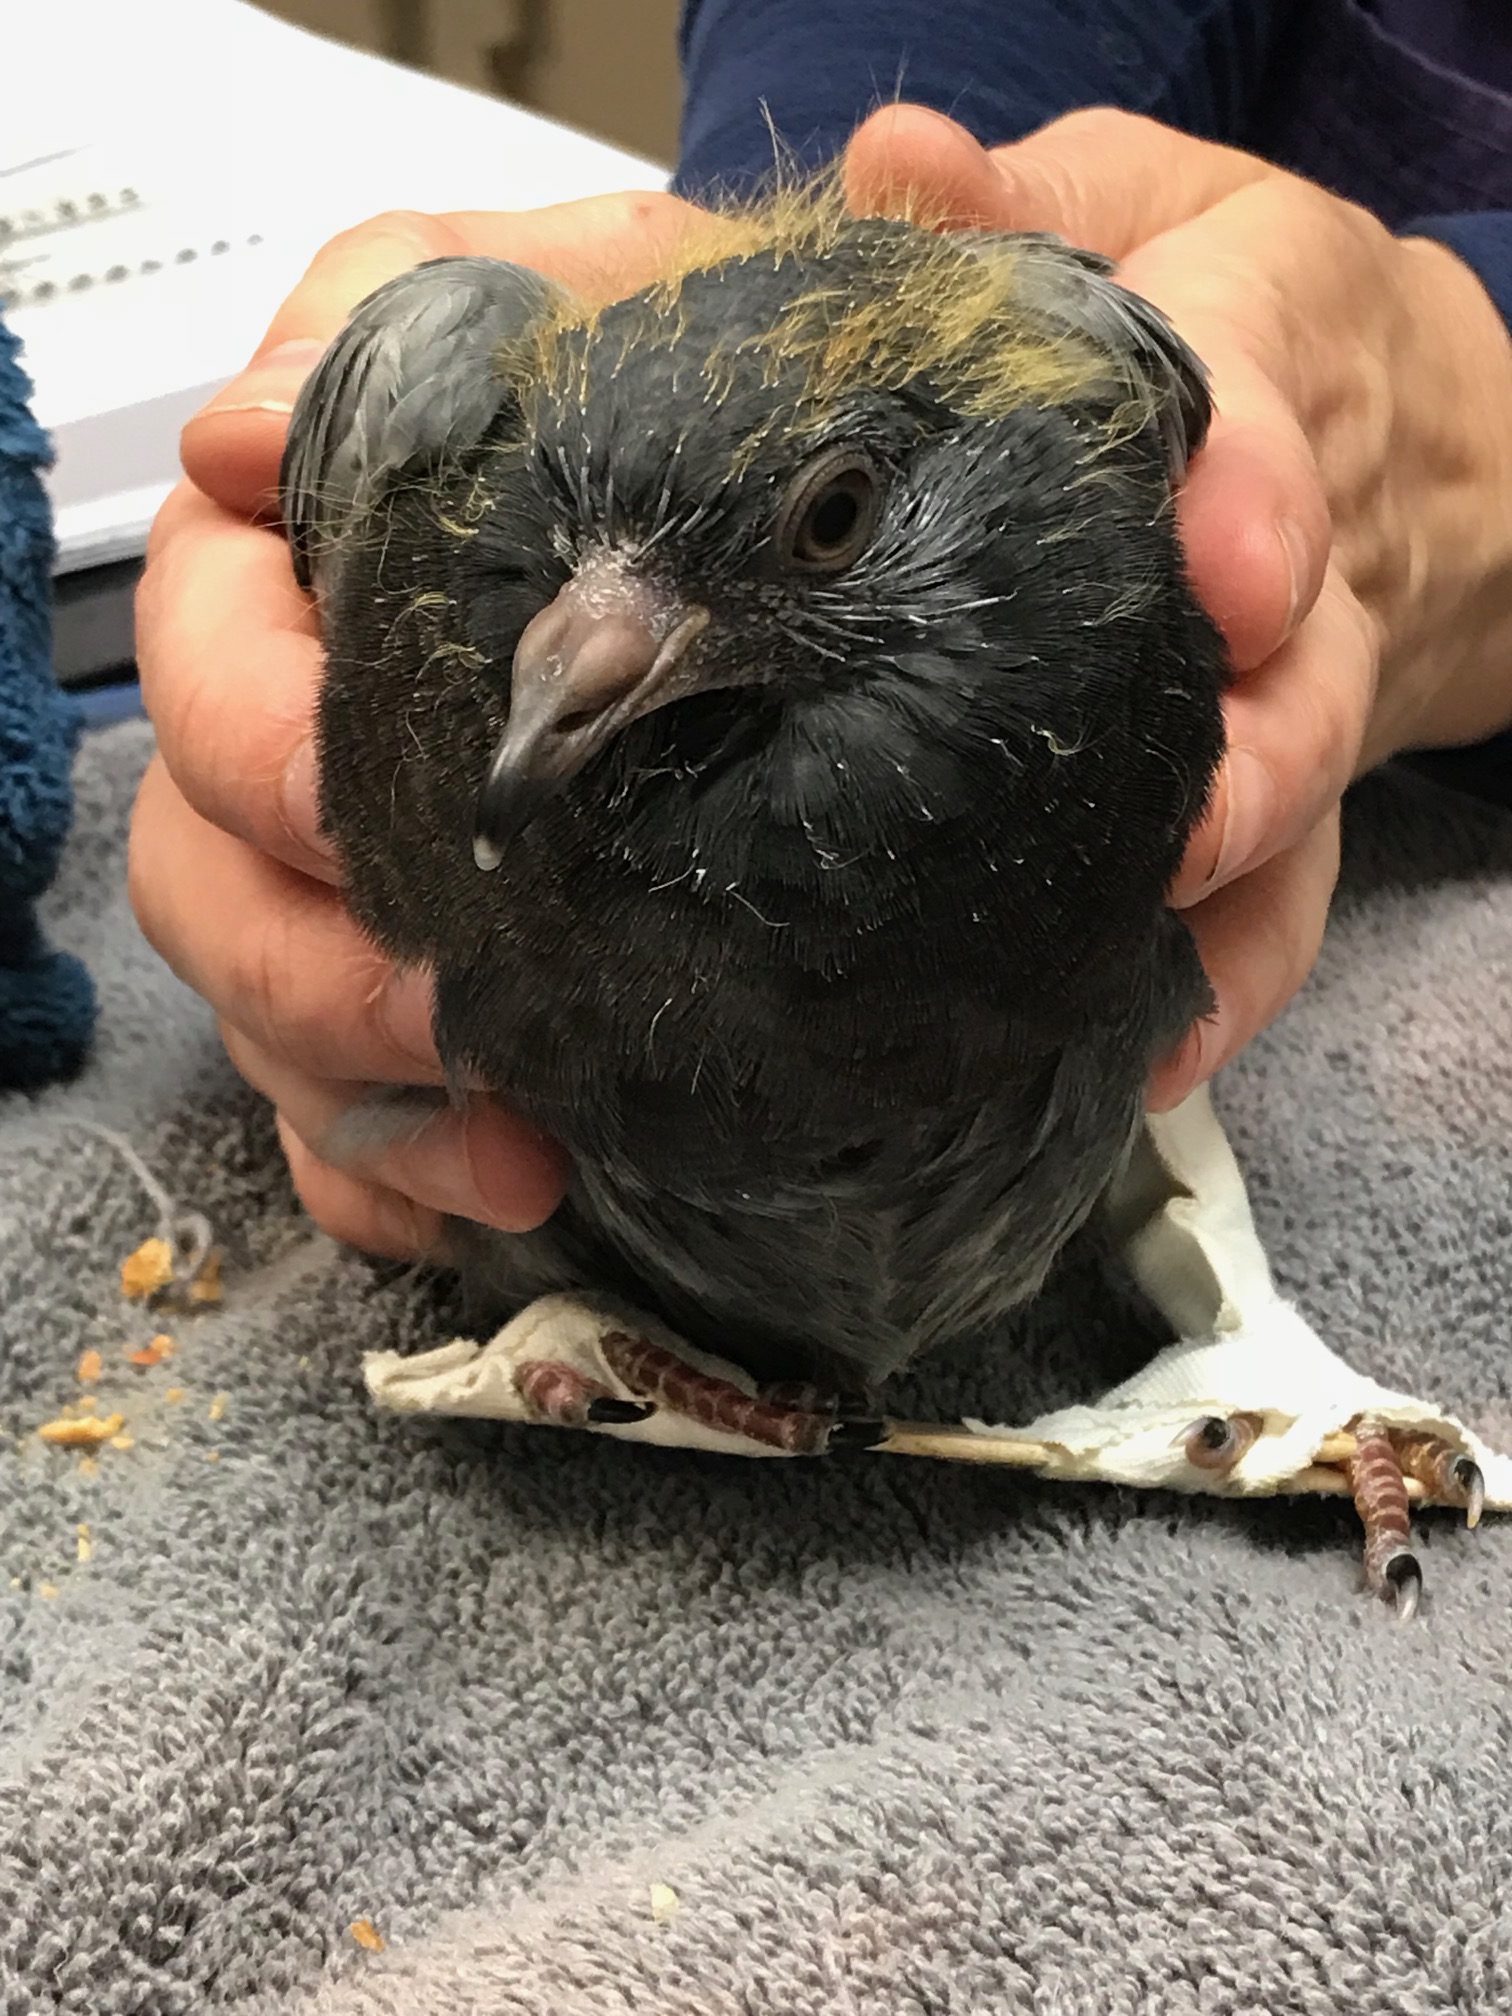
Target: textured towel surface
[[46, 1002], [900, 1738]]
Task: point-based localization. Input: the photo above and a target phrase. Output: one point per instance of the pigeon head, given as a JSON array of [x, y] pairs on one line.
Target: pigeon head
[[835, 578]]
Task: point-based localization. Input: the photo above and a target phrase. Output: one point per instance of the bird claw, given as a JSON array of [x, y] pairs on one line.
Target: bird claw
[[1402, 1584], [795, 1420], [1467, 1474], [1383, 1460], [858, 1431], [609, 1411]]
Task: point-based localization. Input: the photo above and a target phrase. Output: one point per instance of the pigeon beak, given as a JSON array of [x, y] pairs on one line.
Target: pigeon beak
[[608, 649]]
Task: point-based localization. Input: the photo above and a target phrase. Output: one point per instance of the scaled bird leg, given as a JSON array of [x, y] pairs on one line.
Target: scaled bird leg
[[661, 1376], [1445, 1473], [1380, 1495], [562, 1395]]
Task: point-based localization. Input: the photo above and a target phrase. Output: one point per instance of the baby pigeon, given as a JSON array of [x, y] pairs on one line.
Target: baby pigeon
[[775, 708]]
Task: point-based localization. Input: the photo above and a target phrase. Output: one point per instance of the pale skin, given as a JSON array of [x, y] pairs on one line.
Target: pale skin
[[1349, 526]]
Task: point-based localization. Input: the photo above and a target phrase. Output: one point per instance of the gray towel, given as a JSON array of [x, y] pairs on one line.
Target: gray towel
[[900, 1738]]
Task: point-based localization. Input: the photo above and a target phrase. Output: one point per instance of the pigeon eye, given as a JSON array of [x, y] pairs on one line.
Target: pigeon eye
[[830, 512]]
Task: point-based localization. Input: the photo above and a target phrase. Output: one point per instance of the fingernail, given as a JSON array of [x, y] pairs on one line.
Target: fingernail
[[1294, 547], [270, 383], [300, 802], [1251, 814]]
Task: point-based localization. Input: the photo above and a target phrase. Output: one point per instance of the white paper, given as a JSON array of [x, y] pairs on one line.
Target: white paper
[[230, 130], [1182, 1216]]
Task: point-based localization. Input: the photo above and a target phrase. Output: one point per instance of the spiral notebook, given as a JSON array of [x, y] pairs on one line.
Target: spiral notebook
[[167, 170]]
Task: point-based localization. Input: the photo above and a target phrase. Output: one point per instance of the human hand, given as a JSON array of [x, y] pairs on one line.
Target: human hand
[[1348, 525], [230, 876]]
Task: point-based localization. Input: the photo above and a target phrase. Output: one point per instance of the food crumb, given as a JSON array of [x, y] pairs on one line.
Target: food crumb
[[74, 1434], [47, 1591], [217, 1408], [212, 1455], [174, 1395], [367, 1935], [89, 1466], [91, 1365], [206, 1287], [123, 1442], [85, 1542], [147, 1270], [153, 1353], [664, 1902]]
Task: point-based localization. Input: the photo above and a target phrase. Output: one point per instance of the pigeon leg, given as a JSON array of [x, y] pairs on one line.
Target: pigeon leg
[[772, 1419], [1383, 1461], [1446, 1474], [566, 1397], [1380, 1495]]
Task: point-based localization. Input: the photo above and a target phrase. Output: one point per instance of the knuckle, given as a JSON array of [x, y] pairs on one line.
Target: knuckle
[[364, 1215], [639, 209], [147, 611], [1299, 917], [180, 504], [407, 230], [141, 888], [145, 880], [158, 605], [190, 732], [258, 978], [1106, 125], [247, 1059], [1350, 697]]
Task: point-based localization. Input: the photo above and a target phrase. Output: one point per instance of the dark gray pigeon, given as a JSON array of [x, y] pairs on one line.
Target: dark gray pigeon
[[775, 707]]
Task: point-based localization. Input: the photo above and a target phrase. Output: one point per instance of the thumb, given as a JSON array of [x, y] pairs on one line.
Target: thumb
[[1111, 180], [908, 161], [1104, 179]]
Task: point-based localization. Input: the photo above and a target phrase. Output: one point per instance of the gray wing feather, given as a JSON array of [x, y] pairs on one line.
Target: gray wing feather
[[1077, 290], [410, 378]]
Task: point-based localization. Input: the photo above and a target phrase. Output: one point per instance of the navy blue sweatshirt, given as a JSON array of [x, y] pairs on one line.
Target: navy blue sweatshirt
[[1356, 94]]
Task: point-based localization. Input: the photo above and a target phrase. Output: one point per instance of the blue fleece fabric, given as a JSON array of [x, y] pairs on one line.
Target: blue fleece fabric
[[47, 1004]]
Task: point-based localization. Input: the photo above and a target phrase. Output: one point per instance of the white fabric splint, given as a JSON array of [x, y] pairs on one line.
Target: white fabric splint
[[1182, 1216]]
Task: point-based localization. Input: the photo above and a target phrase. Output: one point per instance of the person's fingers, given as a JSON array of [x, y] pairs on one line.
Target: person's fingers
[[1254, 518], [908, 161], [1111, 180], [475, 1161], [374, 1220], [1294, 735], [599, 247], [1258, 939], [1102, 178], [230, 661], [272, 951], [1254, 515]]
